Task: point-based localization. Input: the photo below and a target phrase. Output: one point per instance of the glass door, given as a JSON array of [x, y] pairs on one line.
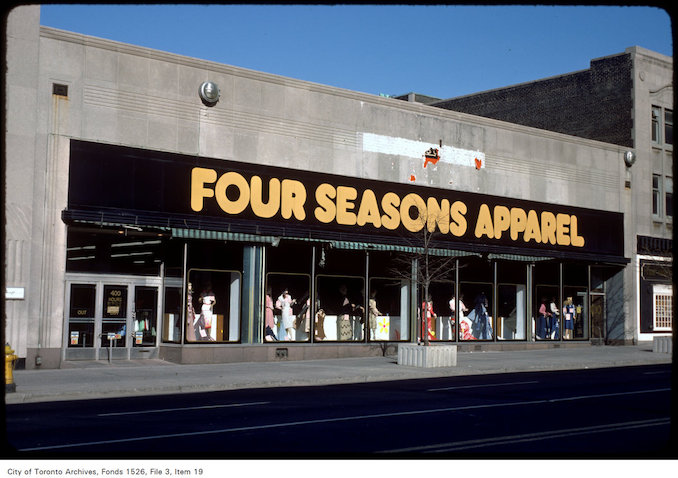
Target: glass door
[[114, 316]]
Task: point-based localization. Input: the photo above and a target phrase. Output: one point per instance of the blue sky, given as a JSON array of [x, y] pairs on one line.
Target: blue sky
[[441, 51]]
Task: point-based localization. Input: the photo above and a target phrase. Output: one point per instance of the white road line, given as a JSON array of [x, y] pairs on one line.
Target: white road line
[[509, 439], [616, 394], [323, 420], [481, 386], [164, 410]]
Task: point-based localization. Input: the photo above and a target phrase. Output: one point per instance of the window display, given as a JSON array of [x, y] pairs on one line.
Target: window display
[[287, 308], [341, 299], [171, 324], [213, 314], [145, 316]]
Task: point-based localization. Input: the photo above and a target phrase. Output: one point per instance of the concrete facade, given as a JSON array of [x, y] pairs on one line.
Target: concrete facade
[[121, 94]]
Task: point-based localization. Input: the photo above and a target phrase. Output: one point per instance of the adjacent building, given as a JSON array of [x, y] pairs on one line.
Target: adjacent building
[[160, 206]]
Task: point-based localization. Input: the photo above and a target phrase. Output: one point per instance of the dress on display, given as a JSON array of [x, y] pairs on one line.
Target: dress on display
[[569, 313], [285, 305], [482, 327], [269, 318]]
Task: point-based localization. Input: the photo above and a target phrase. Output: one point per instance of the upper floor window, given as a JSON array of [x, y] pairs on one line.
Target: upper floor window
[[656, 194], [668, 188], [662, 125], [662, 196], [668, 126]]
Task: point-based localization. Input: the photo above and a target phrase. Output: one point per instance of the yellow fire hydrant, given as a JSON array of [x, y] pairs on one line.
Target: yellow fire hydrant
[[10, 359]]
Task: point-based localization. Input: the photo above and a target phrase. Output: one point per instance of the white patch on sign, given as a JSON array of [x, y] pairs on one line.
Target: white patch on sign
[[376, 143]]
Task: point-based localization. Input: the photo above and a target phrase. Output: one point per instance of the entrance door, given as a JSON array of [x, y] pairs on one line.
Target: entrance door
[[597, 318], [111, 317]]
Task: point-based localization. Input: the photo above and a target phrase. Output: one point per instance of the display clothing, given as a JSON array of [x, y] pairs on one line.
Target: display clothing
[[284, 303], [190, 316], [320, 325], [427, 307], [482, 326], [541, 321], [373, 314], [554, 323], [465, 329], [269, 319], [569, 313]]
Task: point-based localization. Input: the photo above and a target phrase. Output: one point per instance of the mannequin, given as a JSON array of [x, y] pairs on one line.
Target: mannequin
[[429, 314], [344, 326], [482, 327], [269, 320], [207, 300], [190, 315], [541, 321], [554, 322], [284, 303], [373, 314], [569, 314]]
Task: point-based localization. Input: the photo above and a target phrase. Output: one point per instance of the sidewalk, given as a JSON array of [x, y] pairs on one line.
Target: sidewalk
[[84, 380]]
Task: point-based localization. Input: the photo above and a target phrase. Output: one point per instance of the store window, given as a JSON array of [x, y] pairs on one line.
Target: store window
[[388, 309], [440, 314], [546, 314], [82, 312], [341, 302], [171, 328], [511, 301], [145, 316], [214, 305], [662, 299], [288, 307], [574, 312], [476, 299]]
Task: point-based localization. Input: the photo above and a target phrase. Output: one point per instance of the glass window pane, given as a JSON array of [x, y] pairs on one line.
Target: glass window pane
[[214, 306], [83, 300], [288, 307], [655, 124], [511, 308], [340, 298], [656, 115], [145, 316], [575, 319], [656, 194], [81, 334], [476, 321], [388, 307], [547, 326], [668, 126], [115, 301], [668, 186], [171, 325]]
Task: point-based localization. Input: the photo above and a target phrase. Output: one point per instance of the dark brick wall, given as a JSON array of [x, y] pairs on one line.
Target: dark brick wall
[[593, 104]]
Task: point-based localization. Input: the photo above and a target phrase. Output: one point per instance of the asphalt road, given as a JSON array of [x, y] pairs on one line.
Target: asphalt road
[[613, 412]]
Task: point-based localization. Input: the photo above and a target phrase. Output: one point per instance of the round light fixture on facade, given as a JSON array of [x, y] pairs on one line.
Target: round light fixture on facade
[[209, 93], [629, 158]]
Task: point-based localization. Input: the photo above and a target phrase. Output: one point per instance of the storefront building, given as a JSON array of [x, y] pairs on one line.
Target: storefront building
[[160, 206]]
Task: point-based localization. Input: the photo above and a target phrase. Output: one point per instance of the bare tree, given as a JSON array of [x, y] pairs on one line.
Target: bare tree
[[432, 263]]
